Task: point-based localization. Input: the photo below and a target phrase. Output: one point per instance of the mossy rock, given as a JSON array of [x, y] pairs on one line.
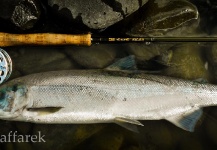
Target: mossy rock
[[187, 62], [64, 136]]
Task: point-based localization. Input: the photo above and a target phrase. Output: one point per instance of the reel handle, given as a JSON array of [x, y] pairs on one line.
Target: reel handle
[[7, 39]]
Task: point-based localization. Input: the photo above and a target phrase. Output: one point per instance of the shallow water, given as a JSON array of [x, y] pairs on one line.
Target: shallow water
[[190, 61]]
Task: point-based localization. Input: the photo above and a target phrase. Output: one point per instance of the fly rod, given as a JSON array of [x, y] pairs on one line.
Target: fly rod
[[7, 39]]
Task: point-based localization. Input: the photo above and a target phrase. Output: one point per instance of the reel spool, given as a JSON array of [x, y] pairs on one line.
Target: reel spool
[[5, 66]]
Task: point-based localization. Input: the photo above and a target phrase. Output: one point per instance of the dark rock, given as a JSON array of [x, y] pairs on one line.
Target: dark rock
[[23, 146], [211, 52], [9, 146], [107, 140], [152, 134], [23, 127], [64, 136], [143, 52], [22, 13], [95, 14], [210, 125], [190, 143], [34, 60], [207, 10], [94, 57], [188, 62], [166, 17]]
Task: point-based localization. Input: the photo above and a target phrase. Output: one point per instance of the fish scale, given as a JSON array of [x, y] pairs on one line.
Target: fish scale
[[96, 96]]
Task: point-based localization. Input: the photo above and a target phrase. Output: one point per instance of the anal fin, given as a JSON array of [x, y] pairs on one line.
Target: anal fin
[[188, 120], [129, 124]]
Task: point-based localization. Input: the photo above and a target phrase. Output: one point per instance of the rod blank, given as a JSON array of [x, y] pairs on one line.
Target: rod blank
[[7, 39]]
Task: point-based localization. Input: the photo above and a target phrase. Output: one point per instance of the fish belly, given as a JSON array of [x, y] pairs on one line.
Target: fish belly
[[94, 99]]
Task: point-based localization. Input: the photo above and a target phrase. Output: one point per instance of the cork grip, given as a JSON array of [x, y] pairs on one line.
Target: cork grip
[[7, 39]]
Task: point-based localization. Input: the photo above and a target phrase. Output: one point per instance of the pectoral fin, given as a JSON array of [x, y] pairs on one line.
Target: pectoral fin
[[187, 121], [128, 123], [44, 110]]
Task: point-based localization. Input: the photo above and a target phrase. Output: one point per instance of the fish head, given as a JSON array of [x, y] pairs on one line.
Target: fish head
[[12, 100]]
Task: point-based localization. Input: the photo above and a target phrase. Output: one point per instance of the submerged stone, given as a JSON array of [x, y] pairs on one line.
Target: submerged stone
[[210, 125], [187, 62], [23, 127], [22, 13], [152, 133], [107, 139], [64, 136], [144, 52], [34, 60], [190, 143], [212, 58], [23, 146], [95, 14], [166, 17], [94, 57]]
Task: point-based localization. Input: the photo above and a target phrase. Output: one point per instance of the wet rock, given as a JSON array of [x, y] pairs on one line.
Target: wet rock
[[156, 135], [15, 74], [212, 58], [132, 148], [23, 127], [96, 56], [22, 13], [34, 59], [166, 18], [95, 14], [144, 52], [23, 146], [165, 58], [188, 62], [9, 146], [207, 10], [6, 127], [64, 136], [107, 140], [189, 143], [211, 124]]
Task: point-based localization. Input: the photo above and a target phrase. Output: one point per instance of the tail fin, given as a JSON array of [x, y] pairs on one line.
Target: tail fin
[[187, 121]]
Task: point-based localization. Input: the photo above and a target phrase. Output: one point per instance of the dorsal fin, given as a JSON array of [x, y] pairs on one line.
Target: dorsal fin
[[126, 63]]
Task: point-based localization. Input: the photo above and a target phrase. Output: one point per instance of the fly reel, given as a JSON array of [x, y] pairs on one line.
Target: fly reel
[[5, 66]]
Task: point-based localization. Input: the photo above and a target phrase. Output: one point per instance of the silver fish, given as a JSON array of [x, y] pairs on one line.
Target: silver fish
[[101, 96]]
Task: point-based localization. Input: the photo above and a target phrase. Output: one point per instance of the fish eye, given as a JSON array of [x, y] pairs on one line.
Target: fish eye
[[15, 87], [2, 95], [3, 101]]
